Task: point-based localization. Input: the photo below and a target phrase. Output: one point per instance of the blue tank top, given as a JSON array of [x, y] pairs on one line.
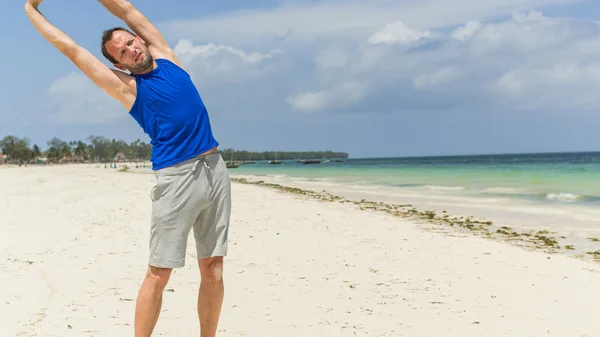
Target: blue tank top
[[171, 112]]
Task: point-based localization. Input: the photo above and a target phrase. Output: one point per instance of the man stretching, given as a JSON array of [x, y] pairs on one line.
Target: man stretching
[[192, 183]]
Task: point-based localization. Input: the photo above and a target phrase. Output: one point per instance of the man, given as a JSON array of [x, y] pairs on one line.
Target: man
[[193, 187]]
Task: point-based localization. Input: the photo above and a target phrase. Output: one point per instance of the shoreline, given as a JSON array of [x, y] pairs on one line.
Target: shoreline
[[550, 242]]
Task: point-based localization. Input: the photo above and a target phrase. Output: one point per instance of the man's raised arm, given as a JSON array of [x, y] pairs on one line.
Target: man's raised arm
[[113, 82], [141, 26]]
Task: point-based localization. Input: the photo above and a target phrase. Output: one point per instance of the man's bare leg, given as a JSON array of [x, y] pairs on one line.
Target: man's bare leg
[[149, 300], [210, 296]]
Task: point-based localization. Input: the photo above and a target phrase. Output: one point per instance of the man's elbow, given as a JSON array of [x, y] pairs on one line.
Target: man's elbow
[[125, 9], [71, 51]]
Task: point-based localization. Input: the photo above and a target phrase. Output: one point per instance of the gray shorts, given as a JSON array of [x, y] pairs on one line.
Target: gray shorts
[[192, 194]]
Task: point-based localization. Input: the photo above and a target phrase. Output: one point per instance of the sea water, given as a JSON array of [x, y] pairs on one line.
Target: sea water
[[552, 191], [559, 178]]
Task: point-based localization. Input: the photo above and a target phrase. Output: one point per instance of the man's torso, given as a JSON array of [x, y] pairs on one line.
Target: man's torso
[[170, 110]]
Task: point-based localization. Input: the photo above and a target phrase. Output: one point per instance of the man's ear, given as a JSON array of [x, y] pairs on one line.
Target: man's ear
[[118, 66]]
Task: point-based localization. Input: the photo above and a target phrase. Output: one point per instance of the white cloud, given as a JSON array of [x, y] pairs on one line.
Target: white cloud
[[186, 50], [382, 55], [408, 55], [566, 84], [467, 31], [398, 32], [223, 63], [435, 78], [528, 17], [340, 96], [529, 61], [331, 58], [525, 35], [304, 22], [75, 99]]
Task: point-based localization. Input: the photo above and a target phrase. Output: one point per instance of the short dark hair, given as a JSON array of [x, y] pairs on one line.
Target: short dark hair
[[107, 35]]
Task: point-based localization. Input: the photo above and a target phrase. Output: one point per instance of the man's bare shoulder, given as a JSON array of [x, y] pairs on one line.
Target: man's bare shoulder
[[127, 79], [165, 53]]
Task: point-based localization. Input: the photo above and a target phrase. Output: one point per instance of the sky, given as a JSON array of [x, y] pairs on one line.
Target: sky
[[377, 78]]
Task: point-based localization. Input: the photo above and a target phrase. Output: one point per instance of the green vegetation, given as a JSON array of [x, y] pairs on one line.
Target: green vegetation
[[101, 149], [18, 149], [98, 149], [241, 155]]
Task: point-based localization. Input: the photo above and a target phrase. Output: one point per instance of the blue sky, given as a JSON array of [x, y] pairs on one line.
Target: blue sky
[[376, 78]]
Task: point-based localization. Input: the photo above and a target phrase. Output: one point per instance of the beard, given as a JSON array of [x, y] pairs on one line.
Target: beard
[[144, 64]]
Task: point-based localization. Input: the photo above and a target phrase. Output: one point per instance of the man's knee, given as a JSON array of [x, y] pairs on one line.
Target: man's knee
[[211, 269], [158, 277]]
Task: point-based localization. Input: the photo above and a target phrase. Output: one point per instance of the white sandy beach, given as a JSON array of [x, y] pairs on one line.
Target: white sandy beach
[[74, 251]]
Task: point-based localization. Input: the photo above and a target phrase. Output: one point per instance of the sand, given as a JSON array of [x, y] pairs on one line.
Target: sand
[[74, 251]]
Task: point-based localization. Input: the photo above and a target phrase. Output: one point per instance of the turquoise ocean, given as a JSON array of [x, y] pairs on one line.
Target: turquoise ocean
[[551, 178]]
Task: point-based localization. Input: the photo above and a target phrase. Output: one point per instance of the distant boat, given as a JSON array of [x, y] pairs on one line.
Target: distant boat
[[311, 161], [231, 163], [275, 162]]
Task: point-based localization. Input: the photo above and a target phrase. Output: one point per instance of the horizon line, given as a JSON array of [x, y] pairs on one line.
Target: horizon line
[[480, 154]]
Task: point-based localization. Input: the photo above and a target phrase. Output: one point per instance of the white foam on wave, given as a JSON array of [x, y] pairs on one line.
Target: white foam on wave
[[504, 190], [444, 188], [564, 196]]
